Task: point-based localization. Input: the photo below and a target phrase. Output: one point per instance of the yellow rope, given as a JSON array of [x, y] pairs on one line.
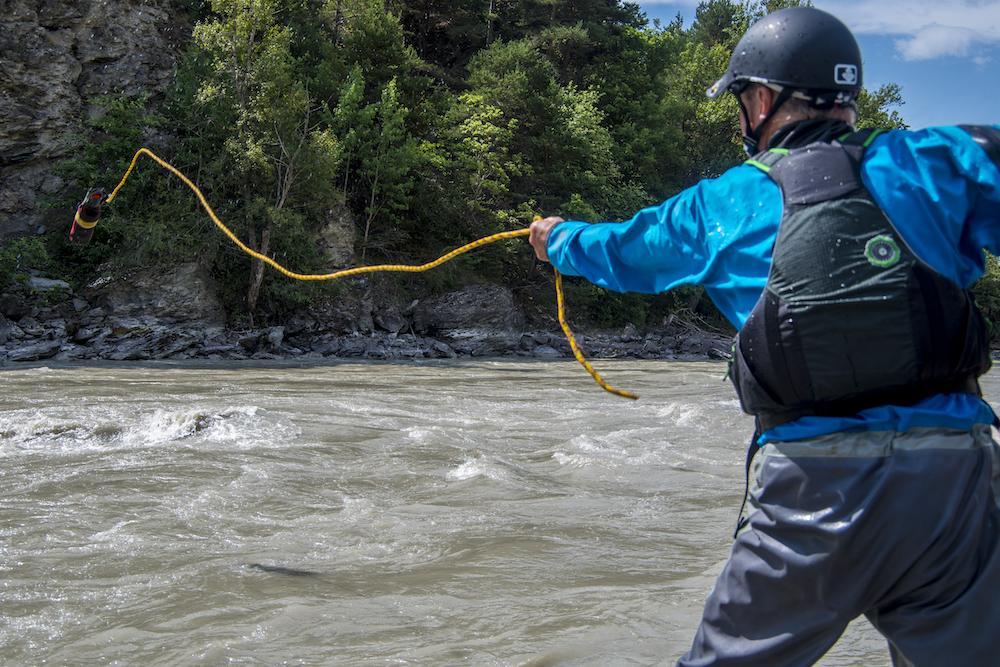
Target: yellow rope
[[370, 269], [576, 350]]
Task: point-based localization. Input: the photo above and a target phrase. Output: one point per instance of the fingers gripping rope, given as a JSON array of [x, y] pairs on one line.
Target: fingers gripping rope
[[371, 269]]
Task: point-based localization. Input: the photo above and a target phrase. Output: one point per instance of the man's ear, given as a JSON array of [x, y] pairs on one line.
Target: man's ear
[[764, 99]]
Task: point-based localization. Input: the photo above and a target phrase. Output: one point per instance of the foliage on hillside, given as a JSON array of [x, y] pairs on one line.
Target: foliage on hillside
[[436, 121]]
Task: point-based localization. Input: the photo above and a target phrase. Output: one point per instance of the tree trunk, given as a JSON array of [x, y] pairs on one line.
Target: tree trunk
[[489, 24], [338, 18], [695, 298], [257, 271]]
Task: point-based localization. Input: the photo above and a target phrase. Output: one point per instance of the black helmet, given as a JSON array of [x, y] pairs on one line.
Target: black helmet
[[799, 47]]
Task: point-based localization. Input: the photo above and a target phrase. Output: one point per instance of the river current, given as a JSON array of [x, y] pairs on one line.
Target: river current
[[489, 512]]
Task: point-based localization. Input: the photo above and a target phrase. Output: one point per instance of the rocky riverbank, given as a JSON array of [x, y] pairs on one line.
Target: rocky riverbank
[[172, 314]]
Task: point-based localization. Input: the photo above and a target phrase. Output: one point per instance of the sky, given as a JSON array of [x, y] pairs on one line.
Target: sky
[[945, 54]]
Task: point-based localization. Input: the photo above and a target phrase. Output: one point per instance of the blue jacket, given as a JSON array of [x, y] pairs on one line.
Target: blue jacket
[[937, 186]]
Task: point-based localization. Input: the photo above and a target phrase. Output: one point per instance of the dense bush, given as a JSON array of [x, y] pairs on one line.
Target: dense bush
[[437, 123]]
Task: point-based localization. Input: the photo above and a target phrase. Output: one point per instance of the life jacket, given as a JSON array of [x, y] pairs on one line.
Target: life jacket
[[850, 317]]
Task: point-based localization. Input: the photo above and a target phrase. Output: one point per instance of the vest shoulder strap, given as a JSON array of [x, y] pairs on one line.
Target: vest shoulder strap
[[862, 138], [818, 172], [767, 159]]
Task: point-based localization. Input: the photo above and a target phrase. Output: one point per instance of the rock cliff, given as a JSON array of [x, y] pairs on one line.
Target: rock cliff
[[54, 56]]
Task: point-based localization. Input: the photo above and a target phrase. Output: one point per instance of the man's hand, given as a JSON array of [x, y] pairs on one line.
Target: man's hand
[[539, 236]]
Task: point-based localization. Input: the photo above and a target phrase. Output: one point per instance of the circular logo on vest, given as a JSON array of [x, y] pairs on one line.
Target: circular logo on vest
[[882, 251]]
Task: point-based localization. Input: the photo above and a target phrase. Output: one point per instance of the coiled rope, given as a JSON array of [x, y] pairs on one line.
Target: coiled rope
[[382, 267]]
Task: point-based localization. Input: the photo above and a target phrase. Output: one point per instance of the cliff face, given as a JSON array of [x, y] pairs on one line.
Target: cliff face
[[54, 56]]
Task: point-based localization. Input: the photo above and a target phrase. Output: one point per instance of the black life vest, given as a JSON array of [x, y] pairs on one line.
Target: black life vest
[[850, 318]]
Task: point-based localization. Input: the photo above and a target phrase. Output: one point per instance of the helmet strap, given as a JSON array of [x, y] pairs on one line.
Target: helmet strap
[[752, 137]]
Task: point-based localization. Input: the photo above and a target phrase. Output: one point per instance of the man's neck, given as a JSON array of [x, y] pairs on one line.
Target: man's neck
[[803, 132]]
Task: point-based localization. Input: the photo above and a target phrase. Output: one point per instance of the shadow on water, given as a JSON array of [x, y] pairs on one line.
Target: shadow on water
[[278, 569]]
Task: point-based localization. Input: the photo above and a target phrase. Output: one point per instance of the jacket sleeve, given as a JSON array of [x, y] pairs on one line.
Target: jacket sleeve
[[941, 190], [718, 233]]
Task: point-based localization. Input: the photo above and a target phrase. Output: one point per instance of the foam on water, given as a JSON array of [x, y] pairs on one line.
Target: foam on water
[[471, 468], [58, 432]]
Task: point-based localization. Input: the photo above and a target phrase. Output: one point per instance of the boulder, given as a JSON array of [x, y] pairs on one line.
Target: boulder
[[344, 315], [35, 352], [478, 320], [181, 294], [335, 238], [476, 307], [47, 284], [13, 307], [391, 320], [275, 335], [6, 329]]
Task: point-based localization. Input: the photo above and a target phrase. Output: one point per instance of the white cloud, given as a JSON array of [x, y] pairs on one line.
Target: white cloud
[[926, 28], [923, 29], [935, 40], [909, 16]]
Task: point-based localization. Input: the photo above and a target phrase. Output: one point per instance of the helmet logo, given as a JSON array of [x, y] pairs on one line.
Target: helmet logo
[[882, 251], [845, 74]]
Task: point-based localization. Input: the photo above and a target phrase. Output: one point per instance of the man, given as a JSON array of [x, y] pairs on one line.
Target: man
[[844, 260]]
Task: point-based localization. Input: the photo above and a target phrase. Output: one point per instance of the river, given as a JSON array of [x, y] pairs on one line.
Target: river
[[493, 513]]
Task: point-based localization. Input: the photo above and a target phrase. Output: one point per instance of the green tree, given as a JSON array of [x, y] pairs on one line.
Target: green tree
[[559, 137], [873, 109], [352, 119], [516, 77], [382, 153], [254, 86], [710, 127], [480, 142], [20, 255], [718, 22], [586, 165], [389, 156], [446, 33], [376, 42], [634, 90]]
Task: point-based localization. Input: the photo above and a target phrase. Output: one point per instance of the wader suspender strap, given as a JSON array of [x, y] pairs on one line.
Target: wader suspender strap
[[751, 452]]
